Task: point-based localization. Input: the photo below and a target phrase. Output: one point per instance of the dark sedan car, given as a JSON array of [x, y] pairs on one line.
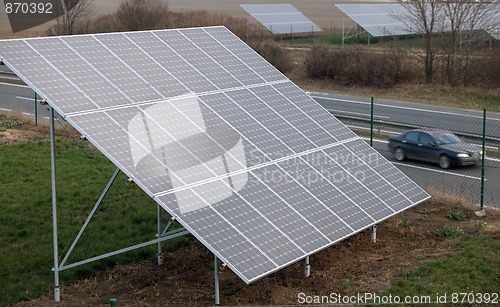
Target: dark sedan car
[[436, 146]]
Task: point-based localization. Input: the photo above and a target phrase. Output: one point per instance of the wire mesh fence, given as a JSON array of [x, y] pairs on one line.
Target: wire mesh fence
[[440, 148]]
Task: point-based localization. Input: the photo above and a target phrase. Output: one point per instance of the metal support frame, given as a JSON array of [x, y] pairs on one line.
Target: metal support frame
[[373, 231], [307, 267], [159, 255], [36, 110], [57, 292], [58, 267], [216, 280]]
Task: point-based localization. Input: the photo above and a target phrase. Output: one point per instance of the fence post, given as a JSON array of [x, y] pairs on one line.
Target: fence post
[[373, 229], [481, 211], [371, 123]]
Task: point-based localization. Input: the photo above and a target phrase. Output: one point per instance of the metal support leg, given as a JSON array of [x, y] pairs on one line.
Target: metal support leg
[[57, 293], [373, 230], [216, 277], [36, 110], [307, 267], [158, 233]]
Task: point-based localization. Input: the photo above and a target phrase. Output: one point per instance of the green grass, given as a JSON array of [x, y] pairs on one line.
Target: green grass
[[331, 39], [448, 231], [473, 266], [403, 41], [12, 123], [456, 215], [126, 217]]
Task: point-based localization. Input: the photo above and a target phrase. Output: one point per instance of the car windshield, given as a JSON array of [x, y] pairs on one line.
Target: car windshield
[[446, 138]]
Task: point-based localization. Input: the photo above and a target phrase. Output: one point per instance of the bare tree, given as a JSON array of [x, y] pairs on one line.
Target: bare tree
[[464, 36], [136, 15], [426, 18], [72, 12]]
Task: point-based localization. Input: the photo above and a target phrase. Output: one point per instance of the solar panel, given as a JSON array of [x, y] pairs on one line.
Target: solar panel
[[392, 19], [379, 19], [281, 18], [492, 22], [246, 161]]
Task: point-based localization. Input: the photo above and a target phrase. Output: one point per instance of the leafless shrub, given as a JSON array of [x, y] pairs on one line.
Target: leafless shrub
[[356, 66], [134, 15], [482, 70], [74, 14], [102, 24], [274, 54], [185, 19], [316, 59], [153, 14]]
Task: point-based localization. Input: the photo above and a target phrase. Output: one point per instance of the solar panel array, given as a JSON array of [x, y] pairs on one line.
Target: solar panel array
[[392, 19], [246, 161], [379, 19], [281, 18], [493, 24]]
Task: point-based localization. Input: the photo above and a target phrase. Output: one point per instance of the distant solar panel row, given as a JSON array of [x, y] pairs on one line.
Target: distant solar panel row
[[281, 18], [494, 30], [393, 19], [245, 160], [379, 19]]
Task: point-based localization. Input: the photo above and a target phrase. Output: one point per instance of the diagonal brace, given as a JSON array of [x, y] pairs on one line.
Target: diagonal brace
[[96, 206]]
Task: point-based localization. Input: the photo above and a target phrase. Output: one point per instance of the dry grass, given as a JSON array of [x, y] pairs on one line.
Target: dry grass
[[17, 127], [460, 201], [473, 97], [470, 98]]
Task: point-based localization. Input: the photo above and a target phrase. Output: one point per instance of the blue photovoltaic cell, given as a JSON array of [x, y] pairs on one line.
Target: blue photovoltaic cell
[[253, 167]]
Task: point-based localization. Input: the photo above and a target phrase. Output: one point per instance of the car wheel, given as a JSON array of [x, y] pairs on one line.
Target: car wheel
[[444, 161], [399, 154]]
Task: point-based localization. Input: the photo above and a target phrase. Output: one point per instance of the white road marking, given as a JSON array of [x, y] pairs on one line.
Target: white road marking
[[401, 107], [26, 98], [11, 84], [357, 113], [437, 171], [6, 110]]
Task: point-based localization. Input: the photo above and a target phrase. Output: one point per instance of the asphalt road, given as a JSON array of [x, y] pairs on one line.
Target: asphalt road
[[20, 99], [465, 122], [394, 116], [464, 181]]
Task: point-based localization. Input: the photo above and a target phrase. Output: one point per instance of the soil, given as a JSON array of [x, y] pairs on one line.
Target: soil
[[355, 265]]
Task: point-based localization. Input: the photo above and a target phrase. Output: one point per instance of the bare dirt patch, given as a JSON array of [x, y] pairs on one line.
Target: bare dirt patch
[[15, 128], [355, 265]]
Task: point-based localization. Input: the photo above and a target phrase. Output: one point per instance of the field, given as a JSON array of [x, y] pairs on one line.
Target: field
[[322, 12]]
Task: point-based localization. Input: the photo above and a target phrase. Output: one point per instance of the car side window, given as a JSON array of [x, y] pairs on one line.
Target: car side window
[[412, 136], [426, 139]]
